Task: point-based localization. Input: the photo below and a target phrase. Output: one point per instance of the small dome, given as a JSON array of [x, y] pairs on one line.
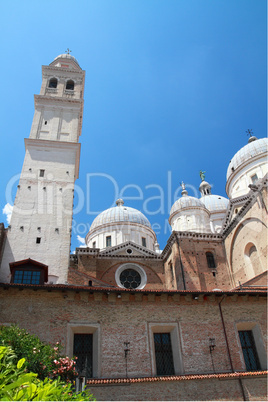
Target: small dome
[[189, 214], [186, 202], [254, 148], [215, 203], [66, 56], [120, 213]]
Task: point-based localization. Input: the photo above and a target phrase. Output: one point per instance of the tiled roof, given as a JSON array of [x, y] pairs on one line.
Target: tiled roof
[[108, 381], [121, 290]]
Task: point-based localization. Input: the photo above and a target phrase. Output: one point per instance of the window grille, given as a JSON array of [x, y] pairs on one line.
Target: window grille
[[163, 354], [130, 279], [210, 260], [83, 351], [249, 350]]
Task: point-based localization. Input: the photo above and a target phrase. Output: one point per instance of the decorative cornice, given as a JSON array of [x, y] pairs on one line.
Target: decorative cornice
[[59, 70], [144, 250], [109, 253], [46, 99]]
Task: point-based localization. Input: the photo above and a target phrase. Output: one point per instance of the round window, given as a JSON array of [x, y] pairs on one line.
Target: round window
[[130, 279], [130, 276]]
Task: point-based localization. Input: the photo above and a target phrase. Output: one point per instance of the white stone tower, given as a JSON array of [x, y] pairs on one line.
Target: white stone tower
[[40, 227]]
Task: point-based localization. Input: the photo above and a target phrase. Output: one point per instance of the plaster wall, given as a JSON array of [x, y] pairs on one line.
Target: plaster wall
[[42, 209]]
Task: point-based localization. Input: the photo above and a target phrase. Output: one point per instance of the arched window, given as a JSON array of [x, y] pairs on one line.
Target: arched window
[[252, 258], [70, 85], [53, 83], [210, 260]]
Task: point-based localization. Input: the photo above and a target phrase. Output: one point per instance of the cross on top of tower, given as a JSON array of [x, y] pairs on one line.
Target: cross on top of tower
[[68, 51]]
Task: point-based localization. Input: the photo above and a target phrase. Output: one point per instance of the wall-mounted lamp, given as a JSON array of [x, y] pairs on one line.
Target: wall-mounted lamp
[[212, 344]]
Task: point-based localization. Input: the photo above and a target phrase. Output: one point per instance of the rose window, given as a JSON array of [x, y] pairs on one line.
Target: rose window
[[130, 279]]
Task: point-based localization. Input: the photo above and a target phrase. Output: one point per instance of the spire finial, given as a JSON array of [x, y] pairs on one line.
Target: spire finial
[[68, 51], [202, 175]]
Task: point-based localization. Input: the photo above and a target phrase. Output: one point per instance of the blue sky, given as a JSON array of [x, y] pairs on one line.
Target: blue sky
[[171, 88]]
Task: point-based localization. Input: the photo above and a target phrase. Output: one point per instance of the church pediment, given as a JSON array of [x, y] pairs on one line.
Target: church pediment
[[128, 249]]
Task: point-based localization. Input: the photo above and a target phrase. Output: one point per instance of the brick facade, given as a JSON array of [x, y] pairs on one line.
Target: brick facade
[[130, 316]]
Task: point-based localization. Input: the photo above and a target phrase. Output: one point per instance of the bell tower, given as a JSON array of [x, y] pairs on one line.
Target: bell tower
[[41, 222]]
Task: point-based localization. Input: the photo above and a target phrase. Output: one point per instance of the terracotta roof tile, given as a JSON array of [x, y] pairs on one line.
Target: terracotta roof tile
[[177, 378], [121, 290]]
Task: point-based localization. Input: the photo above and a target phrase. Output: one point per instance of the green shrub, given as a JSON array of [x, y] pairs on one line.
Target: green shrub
[[18, 385], [41, 358]]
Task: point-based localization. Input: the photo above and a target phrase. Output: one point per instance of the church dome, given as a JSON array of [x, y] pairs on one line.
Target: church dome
[[186, 202], [247, 166], [120, 213], [120, 224], [253, 149], [215, 203], [189, 214]]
